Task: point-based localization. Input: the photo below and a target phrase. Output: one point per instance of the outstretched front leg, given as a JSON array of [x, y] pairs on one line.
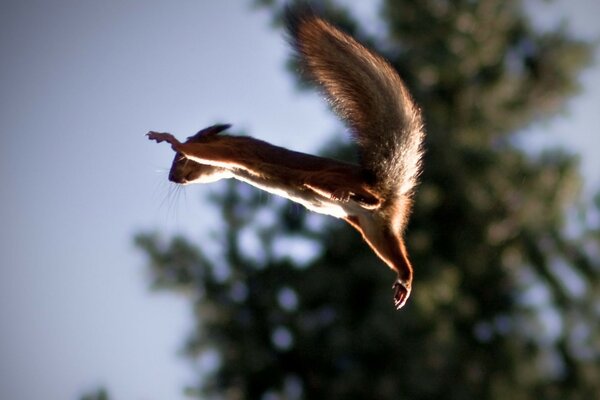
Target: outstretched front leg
[[223, 152], [164, 137]]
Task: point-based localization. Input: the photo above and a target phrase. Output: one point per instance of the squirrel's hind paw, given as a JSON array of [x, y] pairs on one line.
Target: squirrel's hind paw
[[401, 293]]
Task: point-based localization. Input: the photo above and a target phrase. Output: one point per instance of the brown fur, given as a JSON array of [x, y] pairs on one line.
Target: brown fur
[[373, 197]]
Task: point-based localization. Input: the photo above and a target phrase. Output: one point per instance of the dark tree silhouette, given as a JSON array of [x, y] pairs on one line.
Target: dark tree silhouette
[[507, 285]]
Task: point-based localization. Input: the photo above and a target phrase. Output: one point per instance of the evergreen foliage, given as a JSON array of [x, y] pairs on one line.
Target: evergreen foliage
[[506, 298]]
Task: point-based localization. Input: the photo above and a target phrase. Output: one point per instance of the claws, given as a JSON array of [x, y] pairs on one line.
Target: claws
[[161, 137], [164, 137], [341, 195], [401, 293]]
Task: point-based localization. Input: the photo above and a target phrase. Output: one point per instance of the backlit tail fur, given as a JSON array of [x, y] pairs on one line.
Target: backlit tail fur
[[367, 93]]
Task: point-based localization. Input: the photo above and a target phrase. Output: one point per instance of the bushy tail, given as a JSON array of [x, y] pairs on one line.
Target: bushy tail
[[367, 93]]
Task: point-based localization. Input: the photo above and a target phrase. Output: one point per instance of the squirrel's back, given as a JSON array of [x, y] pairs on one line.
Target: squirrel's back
[[367, 93]]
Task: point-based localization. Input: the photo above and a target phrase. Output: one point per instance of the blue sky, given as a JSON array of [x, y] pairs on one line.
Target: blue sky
[[81, 82]]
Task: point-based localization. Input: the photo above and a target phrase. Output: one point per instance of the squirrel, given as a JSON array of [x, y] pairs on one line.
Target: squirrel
[[364, 90]]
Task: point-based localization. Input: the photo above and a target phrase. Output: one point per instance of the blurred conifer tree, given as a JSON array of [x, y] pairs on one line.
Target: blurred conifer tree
[[291, 305]]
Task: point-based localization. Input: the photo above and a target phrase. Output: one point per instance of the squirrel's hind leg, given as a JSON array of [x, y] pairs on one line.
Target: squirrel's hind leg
[[344, 192]]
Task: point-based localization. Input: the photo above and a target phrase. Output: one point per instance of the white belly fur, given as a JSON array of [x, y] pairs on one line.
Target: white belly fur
[[309, 199]]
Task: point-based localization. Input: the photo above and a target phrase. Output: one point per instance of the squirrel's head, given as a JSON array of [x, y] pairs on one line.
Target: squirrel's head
[[185, 171]]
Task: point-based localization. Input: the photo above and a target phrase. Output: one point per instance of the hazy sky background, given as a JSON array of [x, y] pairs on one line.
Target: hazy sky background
[[81, 82]]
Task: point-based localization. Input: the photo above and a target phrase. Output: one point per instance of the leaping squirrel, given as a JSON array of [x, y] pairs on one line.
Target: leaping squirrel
[[368, 95]]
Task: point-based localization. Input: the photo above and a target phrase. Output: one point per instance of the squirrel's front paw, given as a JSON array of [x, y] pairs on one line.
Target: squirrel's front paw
[[164, 137], [161, 137]]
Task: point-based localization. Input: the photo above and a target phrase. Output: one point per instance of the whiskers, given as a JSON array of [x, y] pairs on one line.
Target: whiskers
[[171, 200], [168, 196]]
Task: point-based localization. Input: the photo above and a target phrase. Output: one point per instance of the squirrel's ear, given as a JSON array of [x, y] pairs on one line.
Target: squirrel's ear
[[210, 131]]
